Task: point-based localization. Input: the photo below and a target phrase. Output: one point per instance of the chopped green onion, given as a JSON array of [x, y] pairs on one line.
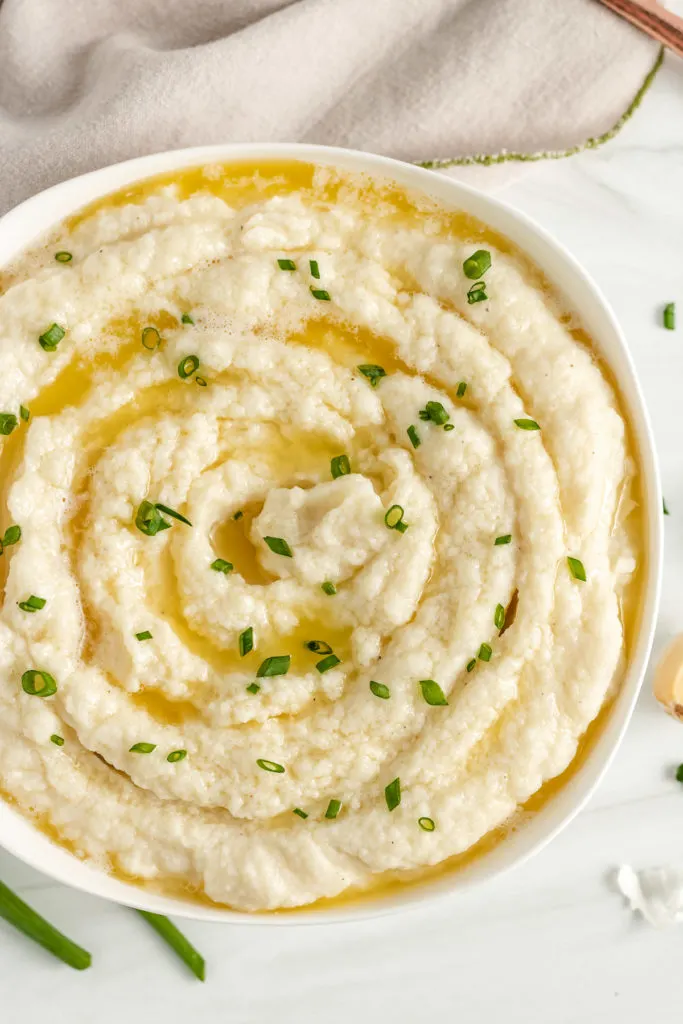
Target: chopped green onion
[[426, 824], [328, 588], [485, 652], [506, 538], [435, 412], [278, 665], [220, 565], [286, 264], [320, 293], [63, 256], [333, 808], [253, 688], [51, 338], [187, 366], [186, 319], [174, 938], [380, 690], [238, 515], [499, 617], [340, 466], [270, 766], [462, 388], [176, 755], [302, 814], [373, 372], [477, 293], [525, 424], [315, 269], [576, 569], [432, 693], [149, 521], [414, 436], [26, 920], [151, 339], [670, 316], [279, 546], [392, 794], [57, 740], [246, 641], [8, 421], [679, 773], [477, 264], [29, 680], [145, 635], [318, 647], [24, 413], [201, 381], [12, 535], [449, 426], [664, 508], [471, 665], [33, 604], [394, 519], [173, 513], [327, 663], [142, 748]]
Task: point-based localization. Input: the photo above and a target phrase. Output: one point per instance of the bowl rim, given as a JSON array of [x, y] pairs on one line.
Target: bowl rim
[[33, 218]]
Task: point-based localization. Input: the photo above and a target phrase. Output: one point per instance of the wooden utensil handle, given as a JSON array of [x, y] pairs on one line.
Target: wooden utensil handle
[[652, 18]]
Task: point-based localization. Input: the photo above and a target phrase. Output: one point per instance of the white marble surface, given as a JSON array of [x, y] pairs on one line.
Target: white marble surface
[[551, 941]]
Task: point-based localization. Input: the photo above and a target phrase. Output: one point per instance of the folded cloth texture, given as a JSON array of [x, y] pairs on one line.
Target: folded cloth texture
[[86, 83]]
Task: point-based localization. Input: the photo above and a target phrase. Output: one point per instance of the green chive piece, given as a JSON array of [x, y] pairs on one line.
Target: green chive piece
[[477, 264], [524, 424], [679, 773], [373, 372], [172, 512], [201, 381], [505, 539], [318, 647], [414, 436], [286, 264], [462, 388], [30, 680], [499, 617], [321, 294], [8, 421], [238, 515], [432, 693], [477, 293], [51, 338], [449, 426], [33, 604], [315, 269], [665, 510], [302, 814], [331, 661], [328, 588], [142, 748], [220, 565], [670, 316], [380, 690], [576, 569], [12, 535], [149, 521], [270, 766], [26, 920], [24, 413], [63, 256], [151, 339], [174, 938], [187, 366], [253, 688], [426, 824], [186, 319], [471, 665], [145, 635], [246, 641], [279, 546], [340, 466], [278, 665], [333, 808], [57, 740], [435, 412], [485, 652], [392, 794], [176, 755], [394, 518]]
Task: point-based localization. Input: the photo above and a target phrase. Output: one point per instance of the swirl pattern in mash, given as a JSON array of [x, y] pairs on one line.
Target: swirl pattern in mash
[[247, 457]]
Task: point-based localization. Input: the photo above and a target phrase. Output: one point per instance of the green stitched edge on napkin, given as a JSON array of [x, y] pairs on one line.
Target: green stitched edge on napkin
[[487, 159]]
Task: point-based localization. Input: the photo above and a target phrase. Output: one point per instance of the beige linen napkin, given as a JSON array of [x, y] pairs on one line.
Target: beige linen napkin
[[85, 83]]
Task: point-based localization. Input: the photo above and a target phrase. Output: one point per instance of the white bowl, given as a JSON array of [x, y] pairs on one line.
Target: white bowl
[[25, 224]]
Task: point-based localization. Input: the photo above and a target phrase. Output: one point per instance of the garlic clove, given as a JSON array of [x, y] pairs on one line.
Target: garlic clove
[[668, 681]]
